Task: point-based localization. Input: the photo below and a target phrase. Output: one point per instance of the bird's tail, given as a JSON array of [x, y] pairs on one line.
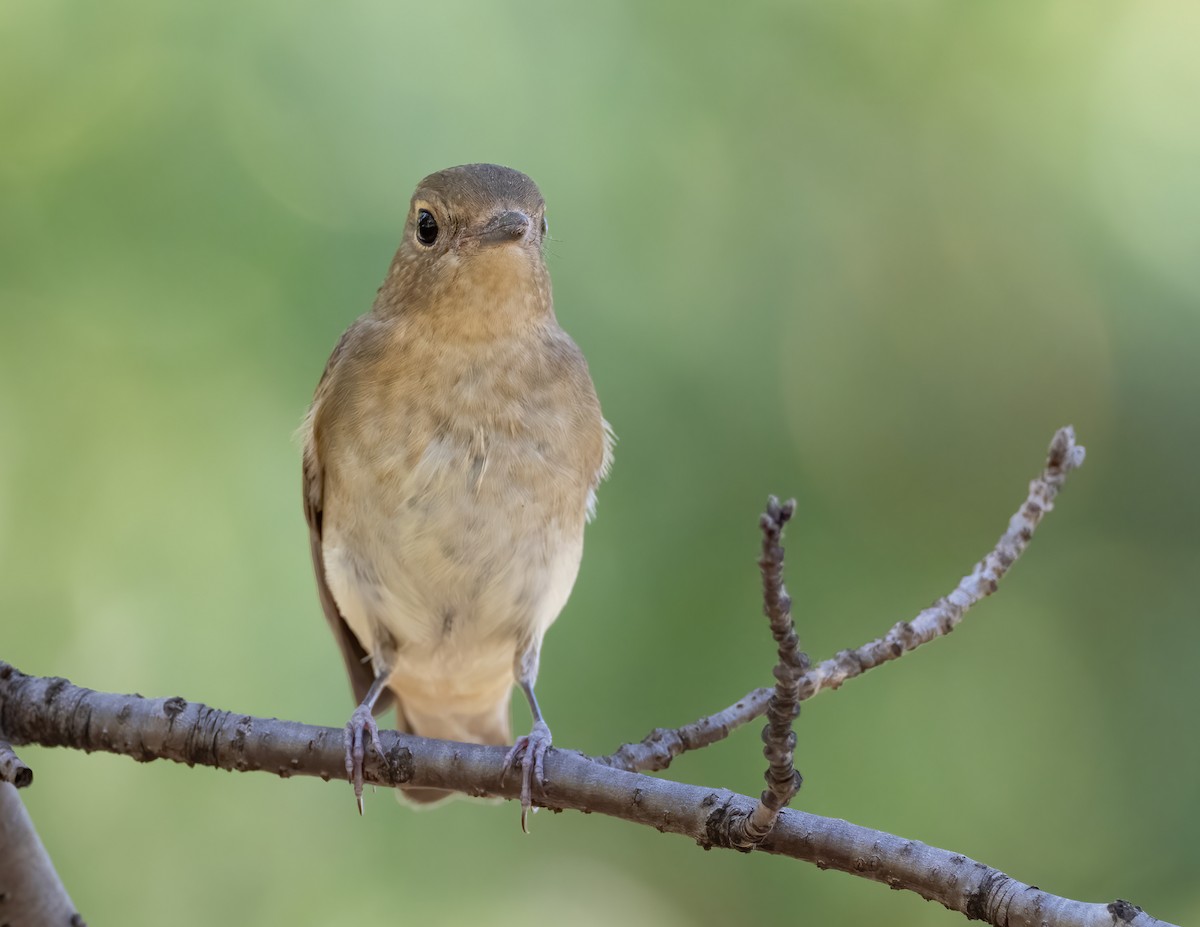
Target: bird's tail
[[422, 798], [492, 726]]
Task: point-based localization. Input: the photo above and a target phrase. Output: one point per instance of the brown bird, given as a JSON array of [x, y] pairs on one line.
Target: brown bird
[[451, 458]]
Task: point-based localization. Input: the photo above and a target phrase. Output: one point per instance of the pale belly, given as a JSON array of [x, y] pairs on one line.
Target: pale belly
[[447, 574]]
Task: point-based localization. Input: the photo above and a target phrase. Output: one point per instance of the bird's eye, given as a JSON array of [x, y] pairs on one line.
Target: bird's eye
[[427, 227]]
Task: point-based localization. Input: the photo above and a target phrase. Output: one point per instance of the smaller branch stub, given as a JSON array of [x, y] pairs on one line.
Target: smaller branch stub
[[13, 768]]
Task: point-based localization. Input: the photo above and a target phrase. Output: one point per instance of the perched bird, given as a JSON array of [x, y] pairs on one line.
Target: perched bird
[[451, 458]]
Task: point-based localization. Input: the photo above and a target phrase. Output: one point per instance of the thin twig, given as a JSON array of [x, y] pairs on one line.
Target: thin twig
[[779, 737], [662, 745]]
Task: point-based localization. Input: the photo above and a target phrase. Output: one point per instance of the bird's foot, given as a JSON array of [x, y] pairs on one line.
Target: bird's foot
[[359, 728], [529, 755]]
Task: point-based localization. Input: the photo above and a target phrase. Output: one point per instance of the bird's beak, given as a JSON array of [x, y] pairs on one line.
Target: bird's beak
[[504, 227]]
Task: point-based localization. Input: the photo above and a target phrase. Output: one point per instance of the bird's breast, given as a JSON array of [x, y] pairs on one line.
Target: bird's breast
[[455, 503]]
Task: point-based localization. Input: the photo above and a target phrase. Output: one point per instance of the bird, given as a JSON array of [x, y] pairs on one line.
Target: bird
[[451, 457]]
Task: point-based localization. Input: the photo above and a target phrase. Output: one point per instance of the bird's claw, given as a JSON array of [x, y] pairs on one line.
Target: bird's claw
[[529, 754], [361, 721]]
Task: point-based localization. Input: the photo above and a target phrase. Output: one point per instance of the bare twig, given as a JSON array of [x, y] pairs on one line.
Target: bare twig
[[662, 745], [779, 738], [53, 712], [12, 768]]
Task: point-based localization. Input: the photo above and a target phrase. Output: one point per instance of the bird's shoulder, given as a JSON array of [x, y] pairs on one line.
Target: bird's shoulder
[[359, 342], [594, 446]]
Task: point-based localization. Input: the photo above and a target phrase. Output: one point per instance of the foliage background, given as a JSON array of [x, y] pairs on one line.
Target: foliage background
[[869, 254]]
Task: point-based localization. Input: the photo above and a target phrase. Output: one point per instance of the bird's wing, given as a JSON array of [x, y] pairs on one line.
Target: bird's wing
[[358, 661]]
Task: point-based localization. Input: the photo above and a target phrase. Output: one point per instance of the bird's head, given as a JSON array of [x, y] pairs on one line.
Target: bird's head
[[472, 253]]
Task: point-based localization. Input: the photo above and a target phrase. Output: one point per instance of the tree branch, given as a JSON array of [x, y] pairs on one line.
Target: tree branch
[[53, 712], [658, 748]]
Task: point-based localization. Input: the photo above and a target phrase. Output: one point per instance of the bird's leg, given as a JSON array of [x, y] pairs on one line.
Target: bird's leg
[[360, 723], [529, 752]]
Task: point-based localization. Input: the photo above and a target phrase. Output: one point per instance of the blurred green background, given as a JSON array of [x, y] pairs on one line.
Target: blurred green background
[[868, 254]]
